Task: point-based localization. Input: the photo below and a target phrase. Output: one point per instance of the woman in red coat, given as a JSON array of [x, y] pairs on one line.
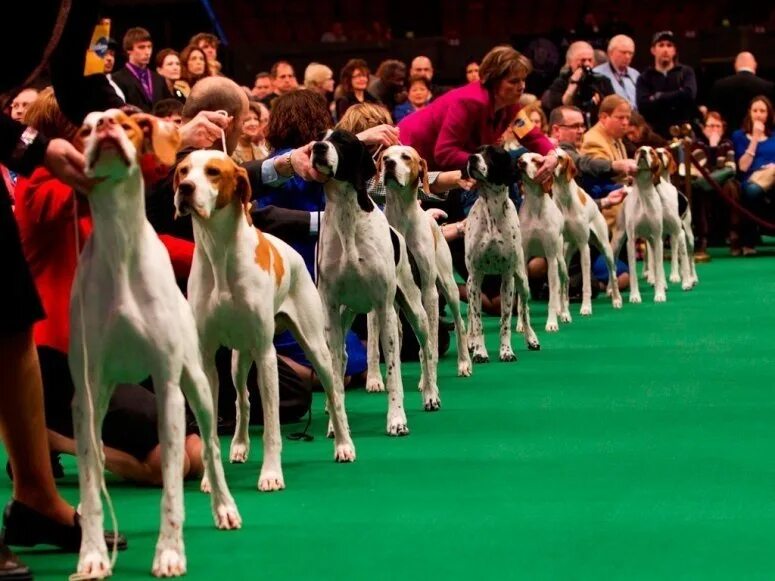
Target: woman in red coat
[[453, 126]]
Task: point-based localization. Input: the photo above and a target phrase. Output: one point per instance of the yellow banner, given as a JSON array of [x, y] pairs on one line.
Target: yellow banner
[[522, 124], [95, 56]]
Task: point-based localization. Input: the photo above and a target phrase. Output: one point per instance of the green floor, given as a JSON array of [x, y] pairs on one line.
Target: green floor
[[637, 444]]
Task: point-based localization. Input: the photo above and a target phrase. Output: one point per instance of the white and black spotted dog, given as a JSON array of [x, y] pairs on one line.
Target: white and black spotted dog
[[364, 267], [542, 224], [403, 172], [493, 245]]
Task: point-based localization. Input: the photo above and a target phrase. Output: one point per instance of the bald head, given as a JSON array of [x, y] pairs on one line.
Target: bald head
[[219, 94], [580, 53], [745, 60], [421, 67]]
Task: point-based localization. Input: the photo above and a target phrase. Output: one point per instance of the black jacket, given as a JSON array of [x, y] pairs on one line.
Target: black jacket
[[133, 90], [732, 95], [590, 84], [667, 99]]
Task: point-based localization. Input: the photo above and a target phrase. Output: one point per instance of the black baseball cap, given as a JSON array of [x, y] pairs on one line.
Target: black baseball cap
[[666, 35]]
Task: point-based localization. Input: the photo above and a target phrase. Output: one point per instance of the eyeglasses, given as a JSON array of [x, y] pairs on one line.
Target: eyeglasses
[[575, 126]]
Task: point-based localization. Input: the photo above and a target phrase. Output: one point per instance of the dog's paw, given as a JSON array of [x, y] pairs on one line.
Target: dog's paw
[[94, 564], [169, 563], [533, 345], [675, 277], [481, 357], [586, 310], [688, 285], [227, 517], [507, 354], [271, 481], [397, 426], [464, 369], [552, 327], [565, 317], [616, 303], [520, 328], [432, 403], [660, 297], [375, 385], [239, 451], [344, 452], [635, 298], [204, 486]]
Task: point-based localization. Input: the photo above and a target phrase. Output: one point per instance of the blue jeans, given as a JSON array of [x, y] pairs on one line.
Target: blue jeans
[[754, 198]]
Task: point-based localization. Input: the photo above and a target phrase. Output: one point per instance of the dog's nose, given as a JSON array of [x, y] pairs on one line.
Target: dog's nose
[[319, 147], [186, 188], [390, 163], [105, 122]]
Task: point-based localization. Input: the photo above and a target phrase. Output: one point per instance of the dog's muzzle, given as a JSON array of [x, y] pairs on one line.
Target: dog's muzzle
[[183, 198]]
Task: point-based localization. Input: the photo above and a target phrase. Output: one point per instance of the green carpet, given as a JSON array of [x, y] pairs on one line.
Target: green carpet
[[636, 444]]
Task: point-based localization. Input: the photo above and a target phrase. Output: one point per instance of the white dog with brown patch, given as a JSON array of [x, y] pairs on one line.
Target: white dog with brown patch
[[129, 320], [542, 225], [403, 172], [583, 223], [246, 286], [493, 245]]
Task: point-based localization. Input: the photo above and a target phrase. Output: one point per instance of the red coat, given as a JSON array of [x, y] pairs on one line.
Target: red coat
[[44, 211], [453, 126]]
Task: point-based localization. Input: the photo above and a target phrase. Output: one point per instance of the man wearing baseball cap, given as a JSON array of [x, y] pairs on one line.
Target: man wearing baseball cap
[[666, 93]]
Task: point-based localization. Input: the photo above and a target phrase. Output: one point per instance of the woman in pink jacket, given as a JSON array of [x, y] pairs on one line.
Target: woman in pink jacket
[[453, 126]]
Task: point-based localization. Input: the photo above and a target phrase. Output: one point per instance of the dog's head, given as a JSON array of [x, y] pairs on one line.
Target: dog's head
[[647, 161], [529, 164], [116, 143], [207, 181], [493, 165], [343, 158], [667, 161], [402, 167], [565, 171]]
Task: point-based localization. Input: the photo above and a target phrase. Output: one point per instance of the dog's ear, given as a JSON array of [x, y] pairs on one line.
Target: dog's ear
[[159, 137], [570, 167], [378, 177], [243, 191], [424, 176], [656, 167], [672, 166]]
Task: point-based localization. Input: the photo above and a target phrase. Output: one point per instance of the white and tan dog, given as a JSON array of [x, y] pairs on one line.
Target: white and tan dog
[[542, 225], [681, 240], [129, 320], [364, 266], [404, 172], [493, 245], [642, 216], [246, 286], [583, 223]]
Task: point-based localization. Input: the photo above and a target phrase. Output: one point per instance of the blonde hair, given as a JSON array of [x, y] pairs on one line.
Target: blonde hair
[[535, 107], [364, 116], [501, 62], [316, 74], [45, 115]]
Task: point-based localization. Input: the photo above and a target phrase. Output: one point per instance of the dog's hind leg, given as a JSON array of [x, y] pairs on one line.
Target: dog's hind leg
[[450, 292], [194, 384], [170, 558], [271, 477], [475, 333], [89, 409], [374, 381], [208, 350], [523, 304], [599, 238], [240, 444]]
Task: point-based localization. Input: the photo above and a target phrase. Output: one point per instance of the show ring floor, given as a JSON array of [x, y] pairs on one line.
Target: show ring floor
[[637, 444]]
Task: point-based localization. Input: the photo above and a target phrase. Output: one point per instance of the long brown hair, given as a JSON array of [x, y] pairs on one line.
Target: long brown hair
[[185, 54], [748, 122], [297, 118], [346, 76]]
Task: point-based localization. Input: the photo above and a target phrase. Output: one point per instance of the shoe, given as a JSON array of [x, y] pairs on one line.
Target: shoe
[[56, 467], [26, 527], [748, 251], [11, 568], [701, 256], [736, 251]]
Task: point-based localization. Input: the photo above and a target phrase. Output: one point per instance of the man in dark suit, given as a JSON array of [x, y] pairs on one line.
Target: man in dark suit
[[141, 86], [732, 95]]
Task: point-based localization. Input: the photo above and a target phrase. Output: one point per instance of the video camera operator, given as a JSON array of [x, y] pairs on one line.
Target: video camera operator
[[578, 85]]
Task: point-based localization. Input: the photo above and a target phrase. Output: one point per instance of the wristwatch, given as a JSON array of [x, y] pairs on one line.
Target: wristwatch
[[25, 140]]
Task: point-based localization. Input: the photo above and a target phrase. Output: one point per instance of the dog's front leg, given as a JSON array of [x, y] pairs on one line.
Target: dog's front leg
[[195, 387], [333, 327], [687, 279], [562, 273], [452, 295], [208, 350], [170, 558], [89, 409], [554, 306], [632, 260], [271, 477], [507, 307], [373, 374], [475, 332], [660, 285], [240, 444], [586, 280], [430, 303], [523, 305], [396, 417]]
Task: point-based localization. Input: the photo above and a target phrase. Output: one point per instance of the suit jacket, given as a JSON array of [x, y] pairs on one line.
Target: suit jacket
[[597, 144], [133, 90], [732, 95]]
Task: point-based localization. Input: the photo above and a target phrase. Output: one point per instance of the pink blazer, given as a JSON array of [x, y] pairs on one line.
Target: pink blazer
[[453, 126]]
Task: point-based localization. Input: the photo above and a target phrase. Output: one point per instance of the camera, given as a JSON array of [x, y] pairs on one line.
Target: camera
[[590, 83]]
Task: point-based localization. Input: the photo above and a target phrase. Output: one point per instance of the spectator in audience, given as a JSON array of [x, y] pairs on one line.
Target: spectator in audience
[[621, 49], [141, 86], [537, 117], [283, 81], [109, 61], [667, 92], [262, 86], [354, 80], [252, 143], [170, 110], [389, 85], [22, 101], [208, 43], [422, 66], [755, 155], [193, 65], [419, 95], [731, 95], [168, 67], [320, 78], [578, 84], [45, 215], [472, 71], [716, 153], [334, 34], [640, 133], [451, 128]]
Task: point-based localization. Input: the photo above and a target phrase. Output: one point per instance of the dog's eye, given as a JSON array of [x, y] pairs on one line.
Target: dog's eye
[[183, 171], [405, 157], [126, 126], [213, 172]]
